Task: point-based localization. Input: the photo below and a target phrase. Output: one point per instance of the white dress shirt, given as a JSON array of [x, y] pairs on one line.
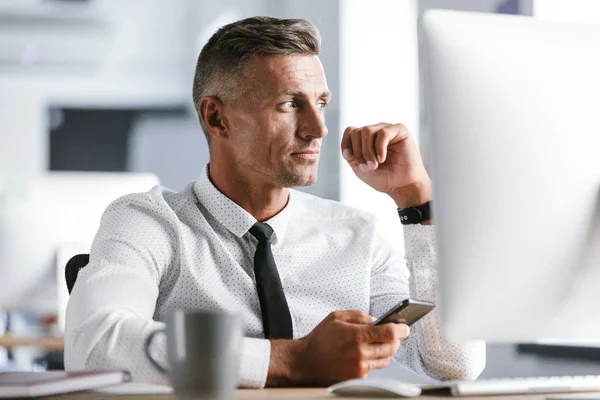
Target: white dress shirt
[[162, 250]]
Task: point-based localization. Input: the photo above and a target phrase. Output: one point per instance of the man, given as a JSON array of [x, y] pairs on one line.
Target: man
[[260, 92]]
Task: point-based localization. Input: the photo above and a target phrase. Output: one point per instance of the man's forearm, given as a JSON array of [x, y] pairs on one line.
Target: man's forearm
[[427, 351], [283, 366]]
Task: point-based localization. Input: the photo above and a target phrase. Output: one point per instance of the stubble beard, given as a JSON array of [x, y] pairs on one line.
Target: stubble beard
[[288, 175], [296, 176]]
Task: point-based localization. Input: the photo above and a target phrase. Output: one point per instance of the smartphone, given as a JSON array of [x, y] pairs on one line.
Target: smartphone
[[407, 311]]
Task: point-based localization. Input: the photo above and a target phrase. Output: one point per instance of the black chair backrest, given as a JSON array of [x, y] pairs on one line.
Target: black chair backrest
[[72, 269]]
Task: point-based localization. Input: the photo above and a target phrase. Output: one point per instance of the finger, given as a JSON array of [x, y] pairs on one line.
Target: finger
[[352, 316], [382, 139], [368, 143], [347, 144], [380, 350], [386, 333], [368, 149], [357, 146]]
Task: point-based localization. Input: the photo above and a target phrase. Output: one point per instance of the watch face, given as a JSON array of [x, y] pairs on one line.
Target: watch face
[[410, 216]]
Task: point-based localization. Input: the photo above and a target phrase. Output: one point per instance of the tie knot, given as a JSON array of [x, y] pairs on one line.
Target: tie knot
[[261, 231]]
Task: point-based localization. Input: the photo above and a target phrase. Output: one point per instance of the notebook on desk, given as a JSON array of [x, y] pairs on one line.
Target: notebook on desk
[[34, 384]]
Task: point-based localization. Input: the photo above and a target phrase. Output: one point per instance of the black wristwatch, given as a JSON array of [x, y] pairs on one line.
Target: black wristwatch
[[415, 215]]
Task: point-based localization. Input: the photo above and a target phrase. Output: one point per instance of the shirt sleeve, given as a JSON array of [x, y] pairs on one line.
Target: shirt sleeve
[[111, 308], [425, 351]]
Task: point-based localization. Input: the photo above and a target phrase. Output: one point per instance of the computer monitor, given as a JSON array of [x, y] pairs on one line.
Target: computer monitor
[[44, 220], [514, 107]]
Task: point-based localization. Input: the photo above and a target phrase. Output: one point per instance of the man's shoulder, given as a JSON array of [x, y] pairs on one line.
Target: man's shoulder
[[315, 207], [159, 199]]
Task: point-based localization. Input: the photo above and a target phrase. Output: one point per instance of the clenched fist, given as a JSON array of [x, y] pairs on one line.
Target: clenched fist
[[385, 157]]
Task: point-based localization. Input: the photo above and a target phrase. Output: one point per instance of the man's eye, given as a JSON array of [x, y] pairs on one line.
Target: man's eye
[[322, 105], [288, 104]]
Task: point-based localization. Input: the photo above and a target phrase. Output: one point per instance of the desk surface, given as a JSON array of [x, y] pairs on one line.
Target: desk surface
[[49, 343], [288, 393]]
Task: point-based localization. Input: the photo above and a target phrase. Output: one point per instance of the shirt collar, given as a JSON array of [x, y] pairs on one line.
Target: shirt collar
[[279, 222], [237, 220]]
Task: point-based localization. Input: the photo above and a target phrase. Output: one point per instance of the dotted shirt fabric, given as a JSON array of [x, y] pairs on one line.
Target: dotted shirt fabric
[[162, 250]]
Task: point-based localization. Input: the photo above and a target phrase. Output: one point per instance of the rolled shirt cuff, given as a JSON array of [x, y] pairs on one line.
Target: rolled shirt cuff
[[254, 363]]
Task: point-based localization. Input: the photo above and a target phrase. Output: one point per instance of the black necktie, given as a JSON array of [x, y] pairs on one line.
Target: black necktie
[[277, 321]]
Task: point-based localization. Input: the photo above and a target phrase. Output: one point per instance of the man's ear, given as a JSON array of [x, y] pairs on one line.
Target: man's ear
[[211, 110]]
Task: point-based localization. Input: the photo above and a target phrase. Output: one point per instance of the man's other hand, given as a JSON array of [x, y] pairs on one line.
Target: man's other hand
[[385, 157], [343, 346]]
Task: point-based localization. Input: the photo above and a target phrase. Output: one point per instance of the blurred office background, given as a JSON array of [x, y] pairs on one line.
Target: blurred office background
[[105, 85]]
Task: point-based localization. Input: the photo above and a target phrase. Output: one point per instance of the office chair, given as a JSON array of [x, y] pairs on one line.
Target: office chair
[[76, 263], [54, 360]]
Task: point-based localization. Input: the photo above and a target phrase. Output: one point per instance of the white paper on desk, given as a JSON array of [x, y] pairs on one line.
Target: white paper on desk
[[401, 373], [135, 388]]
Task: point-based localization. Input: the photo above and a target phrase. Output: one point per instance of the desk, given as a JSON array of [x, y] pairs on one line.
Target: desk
[[49, 343], [286, 394]]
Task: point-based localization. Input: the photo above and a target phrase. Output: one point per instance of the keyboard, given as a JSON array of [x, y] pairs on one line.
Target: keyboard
[[550, 384]]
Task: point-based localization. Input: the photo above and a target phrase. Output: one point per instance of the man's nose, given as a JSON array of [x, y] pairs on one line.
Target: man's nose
[[313, 125]]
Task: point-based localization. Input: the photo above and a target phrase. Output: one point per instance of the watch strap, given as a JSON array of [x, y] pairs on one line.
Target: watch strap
[[415, 215]]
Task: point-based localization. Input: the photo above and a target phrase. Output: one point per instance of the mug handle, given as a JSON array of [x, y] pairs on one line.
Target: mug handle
[[149, 355]]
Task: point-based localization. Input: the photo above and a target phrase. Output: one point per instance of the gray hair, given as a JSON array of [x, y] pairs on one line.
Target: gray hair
[[227, 51]]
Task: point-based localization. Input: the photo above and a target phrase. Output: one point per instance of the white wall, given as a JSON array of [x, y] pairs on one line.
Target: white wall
[[378, 83], [587, 11], [462, 5], [23, 123]]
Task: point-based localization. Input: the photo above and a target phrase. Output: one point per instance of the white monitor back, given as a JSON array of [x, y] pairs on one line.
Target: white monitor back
[[43, 219], [515, 155]]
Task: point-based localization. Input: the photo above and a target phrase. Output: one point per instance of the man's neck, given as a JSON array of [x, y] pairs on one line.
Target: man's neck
[[261, 200]]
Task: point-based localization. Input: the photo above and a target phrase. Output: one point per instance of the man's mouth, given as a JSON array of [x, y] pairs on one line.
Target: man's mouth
[[307, 154]]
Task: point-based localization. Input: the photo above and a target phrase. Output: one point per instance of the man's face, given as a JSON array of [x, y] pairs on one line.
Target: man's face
[[277, 123]]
